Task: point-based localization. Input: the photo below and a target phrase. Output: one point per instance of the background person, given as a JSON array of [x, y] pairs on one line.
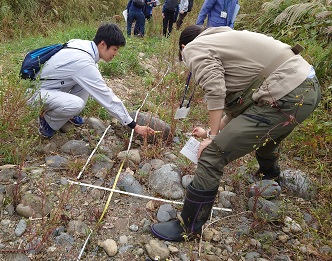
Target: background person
[[169, 10], [225, 68], [183, 10], [150, 4], [147, 11], [135, 13], [74, 76], [219, 13]]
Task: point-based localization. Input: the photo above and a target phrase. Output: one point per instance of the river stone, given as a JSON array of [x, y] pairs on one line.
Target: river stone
[[166, 181], [56, 161], [7, 174], [264, 209], [76, 147], [298, 184], [157, 248], [165, 213], [110, 246], [128, 183], [33, 206], [265, 188], [20, 228], [96, 124], [132, 155]]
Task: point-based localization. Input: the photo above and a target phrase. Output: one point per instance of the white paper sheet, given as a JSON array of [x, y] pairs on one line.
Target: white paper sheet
[[125, 14], [190, 149]]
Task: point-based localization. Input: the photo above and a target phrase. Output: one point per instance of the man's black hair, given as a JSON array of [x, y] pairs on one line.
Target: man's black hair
[[188, 35], [110, 34]]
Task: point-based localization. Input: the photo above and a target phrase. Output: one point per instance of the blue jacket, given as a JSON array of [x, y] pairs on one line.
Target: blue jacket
[[149, 7], [131, 7], [213, 9]]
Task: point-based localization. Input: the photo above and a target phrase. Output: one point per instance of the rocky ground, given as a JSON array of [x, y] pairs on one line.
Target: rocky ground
[[45, 215]]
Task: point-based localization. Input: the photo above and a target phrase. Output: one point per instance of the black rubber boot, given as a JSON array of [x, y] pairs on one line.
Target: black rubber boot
[[268, 169], [196, 211]]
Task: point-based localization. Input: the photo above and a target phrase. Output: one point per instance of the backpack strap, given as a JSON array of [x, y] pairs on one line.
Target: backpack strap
[[65, 45], [78, 49]]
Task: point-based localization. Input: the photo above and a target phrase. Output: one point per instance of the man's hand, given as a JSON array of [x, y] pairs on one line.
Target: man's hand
[[199, 132], [203, 145], [143, 130]]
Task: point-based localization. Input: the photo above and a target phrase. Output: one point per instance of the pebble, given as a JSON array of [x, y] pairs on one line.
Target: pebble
[[110, 246], [20, 228]]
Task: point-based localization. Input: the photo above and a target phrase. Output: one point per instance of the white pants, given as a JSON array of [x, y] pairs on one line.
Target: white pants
[[58, 106]]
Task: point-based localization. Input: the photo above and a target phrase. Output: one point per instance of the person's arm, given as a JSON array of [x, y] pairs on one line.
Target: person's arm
[[215, 117], [205, 10], [199, 132], [208, 71], [90, 79]]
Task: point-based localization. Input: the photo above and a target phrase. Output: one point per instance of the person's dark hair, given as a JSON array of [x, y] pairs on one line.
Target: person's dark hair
[[110, 34], [188, 35]]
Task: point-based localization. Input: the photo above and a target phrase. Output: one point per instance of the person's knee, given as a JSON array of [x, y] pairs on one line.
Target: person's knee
[[75, 107]]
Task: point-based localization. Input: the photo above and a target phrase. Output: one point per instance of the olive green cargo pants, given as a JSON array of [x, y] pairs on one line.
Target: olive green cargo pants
[[262, 127]]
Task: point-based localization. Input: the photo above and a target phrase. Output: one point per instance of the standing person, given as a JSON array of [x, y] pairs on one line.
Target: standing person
[[149, 5], [168, 13], [147, 11], [72, 75], [219, 12], [183, 10], [284, 96], [135, 13]]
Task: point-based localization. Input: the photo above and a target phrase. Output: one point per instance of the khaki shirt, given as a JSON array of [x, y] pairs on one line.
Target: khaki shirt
[[223, 60]]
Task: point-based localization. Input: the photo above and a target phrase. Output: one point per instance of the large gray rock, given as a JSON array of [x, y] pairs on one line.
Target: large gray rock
[[166, 181], [56, 161], [96, 124], [264, 209], [7, 174], [265, 188], [76, 147], [298, 184]]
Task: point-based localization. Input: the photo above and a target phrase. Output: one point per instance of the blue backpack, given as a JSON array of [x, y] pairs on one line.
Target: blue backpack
[[34, 60]]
